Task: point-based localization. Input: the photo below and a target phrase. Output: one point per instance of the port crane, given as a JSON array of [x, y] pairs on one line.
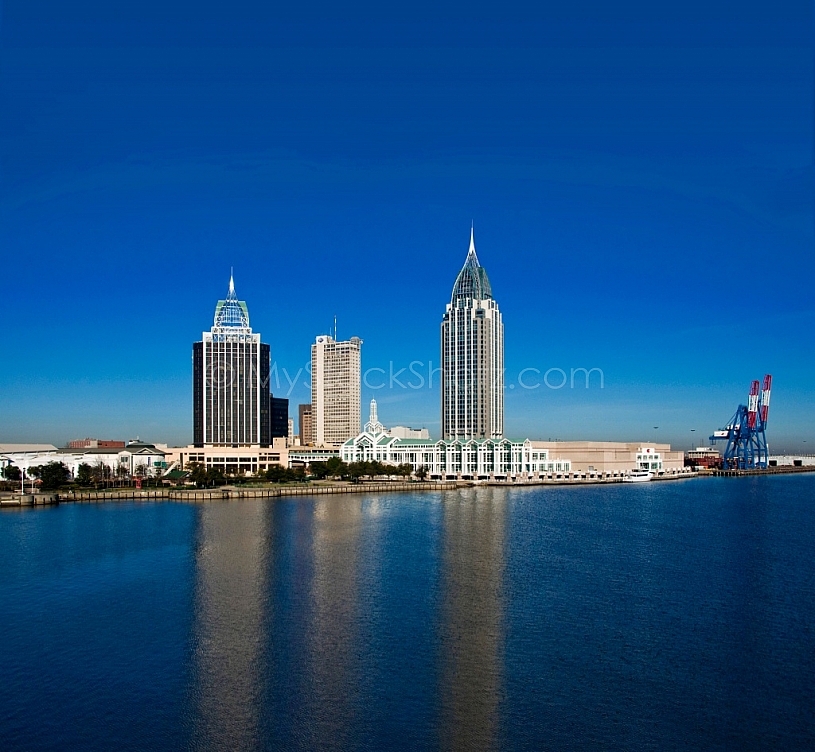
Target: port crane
[[745, 433]]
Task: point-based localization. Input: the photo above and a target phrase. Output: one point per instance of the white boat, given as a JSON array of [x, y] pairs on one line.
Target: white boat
[[638, 476]]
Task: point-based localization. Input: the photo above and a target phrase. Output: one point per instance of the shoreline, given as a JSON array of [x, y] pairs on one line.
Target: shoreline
[[228, 493]]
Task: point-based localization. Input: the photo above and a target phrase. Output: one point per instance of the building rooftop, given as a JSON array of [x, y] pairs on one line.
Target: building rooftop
[[472, 282], [27, 448]]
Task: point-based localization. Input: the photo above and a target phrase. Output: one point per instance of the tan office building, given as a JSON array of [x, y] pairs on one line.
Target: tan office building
[[335, 390], [306, 426]]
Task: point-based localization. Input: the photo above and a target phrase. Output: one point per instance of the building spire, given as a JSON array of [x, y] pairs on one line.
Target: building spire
[[472, 257], [472, 281], [231, 312], [373, 426]]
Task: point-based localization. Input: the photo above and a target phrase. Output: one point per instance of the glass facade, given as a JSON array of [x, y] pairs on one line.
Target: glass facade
[[472, 357], [231, 380]]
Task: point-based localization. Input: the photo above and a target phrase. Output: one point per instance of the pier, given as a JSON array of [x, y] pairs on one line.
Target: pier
[[783, 470]]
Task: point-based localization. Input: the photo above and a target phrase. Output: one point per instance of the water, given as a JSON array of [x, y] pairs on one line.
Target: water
[[635, 617]]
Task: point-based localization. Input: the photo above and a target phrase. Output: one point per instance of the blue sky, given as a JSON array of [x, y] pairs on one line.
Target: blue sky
[[640, 179]]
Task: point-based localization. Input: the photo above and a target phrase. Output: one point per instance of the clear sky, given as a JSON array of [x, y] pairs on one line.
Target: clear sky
[[640, 178]]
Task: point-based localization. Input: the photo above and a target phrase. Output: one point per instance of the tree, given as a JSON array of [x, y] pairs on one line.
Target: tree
[[215, 476], [276, 474], [12, 472], [336, 467], [356, 470], [53, 475], [279, 474], [84, 474], [122, 471], [421, 472], [35, 471], [405, 469], [319, 469], [198, 473]]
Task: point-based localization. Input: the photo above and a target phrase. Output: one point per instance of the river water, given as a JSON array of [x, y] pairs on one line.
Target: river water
[[654, 616]]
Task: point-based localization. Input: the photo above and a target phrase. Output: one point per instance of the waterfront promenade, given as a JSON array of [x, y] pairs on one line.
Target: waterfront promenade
[[225, 493]]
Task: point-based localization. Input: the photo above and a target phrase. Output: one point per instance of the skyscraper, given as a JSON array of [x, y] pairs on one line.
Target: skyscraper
[[278, 417], [335, 390], [231, 380], [472, 357], [306, 426]]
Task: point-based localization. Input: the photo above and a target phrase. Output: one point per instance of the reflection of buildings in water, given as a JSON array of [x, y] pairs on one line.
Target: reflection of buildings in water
[[472, 621], [231, 598], [334, 661]]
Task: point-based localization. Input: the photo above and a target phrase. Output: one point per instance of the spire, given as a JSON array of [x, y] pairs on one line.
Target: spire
[[373, 426], [231, 312], [472, 282], [472, 258]]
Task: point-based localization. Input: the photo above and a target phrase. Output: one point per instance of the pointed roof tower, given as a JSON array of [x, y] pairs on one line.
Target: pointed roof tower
[[472, 281], [231, 312], [373, 426]]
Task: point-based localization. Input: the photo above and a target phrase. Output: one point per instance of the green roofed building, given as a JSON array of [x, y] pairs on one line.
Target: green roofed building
[[474, 459]]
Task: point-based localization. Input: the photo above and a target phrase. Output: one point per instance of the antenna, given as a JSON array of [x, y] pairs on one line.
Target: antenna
[[335, 327]]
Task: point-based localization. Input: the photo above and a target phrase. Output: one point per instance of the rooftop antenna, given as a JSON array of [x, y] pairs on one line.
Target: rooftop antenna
[[335, 327]]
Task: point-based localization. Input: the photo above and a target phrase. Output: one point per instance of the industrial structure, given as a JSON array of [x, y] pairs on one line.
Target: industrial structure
[[745, 435]]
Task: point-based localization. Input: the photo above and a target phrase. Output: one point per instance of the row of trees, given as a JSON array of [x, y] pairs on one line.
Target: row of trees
[[51, 476], [336, 468], [56, 474]]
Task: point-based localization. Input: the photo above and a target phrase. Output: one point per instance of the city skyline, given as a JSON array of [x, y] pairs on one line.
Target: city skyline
[[642, 179]]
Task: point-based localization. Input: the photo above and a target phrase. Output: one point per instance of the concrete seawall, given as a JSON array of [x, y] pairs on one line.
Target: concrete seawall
[[230, 493], [223, 494]]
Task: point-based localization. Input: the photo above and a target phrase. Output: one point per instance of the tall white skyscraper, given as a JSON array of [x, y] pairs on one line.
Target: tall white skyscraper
[[335, 390], [472, 357]]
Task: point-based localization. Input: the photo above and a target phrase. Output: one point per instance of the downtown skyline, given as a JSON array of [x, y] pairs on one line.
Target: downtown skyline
[[640, 186]]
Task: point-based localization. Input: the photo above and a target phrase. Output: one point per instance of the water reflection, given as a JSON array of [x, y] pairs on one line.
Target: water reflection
[[472, 617], [334, 660], [229, 630]]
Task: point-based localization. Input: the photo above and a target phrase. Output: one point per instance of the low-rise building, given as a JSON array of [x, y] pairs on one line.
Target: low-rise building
[[304, 456], [792, 460], [503, 459], [95, 444], [703, 457], [617, 457], [244, 460], [136, 458], [403, 432]]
